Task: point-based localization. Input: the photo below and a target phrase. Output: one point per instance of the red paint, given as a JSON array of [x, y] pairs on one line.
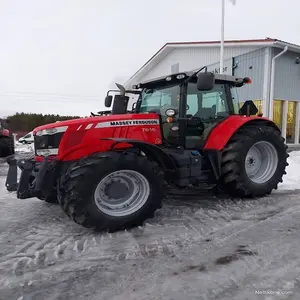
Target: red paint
[[77, 143], [220, 135], [5, 132], [42, 158]]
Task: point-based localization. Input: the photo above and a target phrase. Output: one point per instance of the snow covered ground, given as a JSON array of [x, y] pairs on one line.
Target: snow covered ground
[[292, 179], [21, 148], [205, 248]]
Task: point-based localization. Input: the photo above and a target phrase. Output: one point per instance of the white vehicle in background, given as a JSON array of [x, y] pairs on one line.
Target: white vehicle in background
[[26, 139]]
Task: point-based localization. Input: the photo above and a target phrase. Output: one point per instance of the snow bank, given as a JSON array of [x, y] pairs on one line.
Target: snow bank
[[291, 181], [24, 148]]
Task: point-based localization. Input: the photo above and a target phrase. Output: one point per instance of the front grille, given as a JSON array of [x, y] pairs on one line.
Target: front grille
[[50, 141]]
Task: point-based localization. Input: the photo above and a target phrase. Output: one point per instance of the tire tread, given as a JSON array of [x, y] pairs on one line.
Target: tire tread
[[233, 181], [71, 197]]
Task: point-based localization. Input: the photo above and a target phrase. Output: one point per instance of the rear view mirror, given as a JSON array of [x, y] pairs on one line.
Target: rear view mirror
[[205, 81], [248, 109], [108, 100]]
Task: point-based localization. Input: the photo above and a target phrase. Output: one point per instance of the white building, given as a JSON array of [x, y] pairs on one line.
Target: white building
[[277, 96]]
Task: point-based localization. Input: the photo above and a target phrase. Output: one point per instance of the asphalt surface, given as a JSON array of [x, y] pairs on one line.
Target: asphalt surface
[[194, 249]]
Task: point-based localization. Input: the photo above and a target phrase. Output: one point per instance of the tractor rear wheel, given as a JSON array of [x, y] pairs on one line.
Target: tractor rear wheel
[[112, 191], [253, 162], [6, 146]]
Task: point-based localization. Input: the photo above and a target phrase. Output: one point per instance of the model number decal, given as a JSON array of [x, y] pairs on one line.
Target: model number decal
[[149, 129]]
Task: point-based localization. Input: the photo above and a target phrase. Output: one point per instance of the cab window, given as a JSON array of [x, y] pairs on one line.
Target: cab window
[[206, 104], [156, 99]]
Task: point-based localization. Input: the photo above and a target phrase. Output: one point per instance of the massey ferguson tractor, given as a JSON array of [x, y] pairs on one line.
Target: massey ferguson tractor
[[186, 130], [7, 145]]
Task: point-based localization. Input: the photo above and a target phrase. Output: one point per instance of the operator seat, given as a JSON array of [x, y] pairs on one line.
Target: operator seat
[[206, 113], [196, 132]]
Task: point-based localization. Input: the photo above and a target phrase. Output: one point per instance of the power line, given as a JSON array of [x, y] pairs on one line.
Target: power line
[[57, 100], [52, 94]]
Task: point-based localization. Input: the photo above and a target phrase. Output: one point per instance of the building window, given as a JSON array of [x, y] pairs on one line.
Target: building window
[[291, 122]]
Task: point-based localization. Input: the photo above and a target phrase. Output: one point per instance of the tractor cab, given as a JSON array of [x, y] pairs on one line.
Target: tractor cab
[[189, 104]]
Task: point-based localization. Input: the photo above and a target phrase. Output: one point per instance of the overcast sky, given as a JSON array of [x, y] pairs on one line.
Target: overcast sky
[[61, 56]]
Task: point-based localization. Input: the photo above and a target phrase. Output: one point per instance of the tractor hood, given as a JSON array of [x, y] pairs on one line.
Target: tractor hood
[[115, 120], [73, 139]]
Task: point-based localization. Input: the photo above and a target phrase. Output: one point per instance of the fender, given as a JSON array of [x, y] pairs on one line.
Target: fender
[[222, 133], [79, 151], [152, 151]]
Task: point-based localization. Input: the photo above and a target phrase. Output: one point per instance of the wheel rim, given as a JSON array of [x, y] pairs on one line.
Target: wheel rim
[[122, 193], [261, 162]]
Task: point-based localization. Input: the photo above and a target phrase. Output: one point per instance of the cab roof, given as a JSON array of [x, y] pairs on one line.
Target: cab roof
[[238, 81]]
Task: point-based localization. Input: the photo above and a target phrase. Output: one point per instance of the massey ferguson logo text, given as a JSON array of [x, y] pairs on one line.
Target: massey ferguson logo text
[[124, 123], [134, 122]]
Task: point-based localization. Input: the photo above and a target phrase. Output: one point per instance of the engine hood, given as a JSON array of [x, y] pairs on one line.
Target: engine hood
[[92, 120]]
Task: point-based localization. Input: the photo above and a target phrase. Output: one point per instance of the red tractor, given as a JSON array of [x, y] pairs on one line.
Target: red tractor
[[7, 144], [109, 172]]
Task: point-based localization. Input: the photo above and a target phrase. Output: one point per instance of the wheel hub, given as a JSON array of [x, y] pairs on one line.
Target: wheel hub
[[251, 161], [261, 162], [116, 189], [122, 193]]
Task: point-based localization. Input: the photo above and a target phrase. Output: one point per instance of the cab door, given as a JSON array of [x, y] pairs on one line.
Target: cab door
[[205, 110]]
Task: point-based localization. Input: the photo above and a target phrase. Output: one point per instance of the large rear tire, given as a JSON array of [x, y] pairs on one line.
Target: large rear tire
[[112, 191], [7, 146], [253, 162]]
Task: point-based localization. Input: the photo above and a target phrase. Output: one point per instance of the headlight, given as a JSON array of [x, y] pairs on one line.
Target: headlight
[[51, 130], [46, 152], [170, 112], [43, 152]]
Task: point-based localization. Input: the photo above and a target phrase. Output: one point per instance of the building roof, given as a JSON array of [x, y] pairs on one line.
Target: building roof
[[168, 47]]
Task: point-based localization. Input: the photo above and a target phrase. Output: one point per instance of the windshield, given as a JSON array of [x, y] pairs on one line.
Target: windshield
[[156, 98]]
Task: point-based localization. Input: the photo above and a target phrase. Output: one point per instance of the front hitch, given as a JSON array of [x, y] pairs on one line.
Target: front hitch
[[12, 175], [32, 179]]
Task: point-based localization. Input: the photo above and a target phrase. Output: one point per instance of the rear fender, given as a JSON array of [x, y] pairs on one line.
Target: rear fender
[[222, 133]]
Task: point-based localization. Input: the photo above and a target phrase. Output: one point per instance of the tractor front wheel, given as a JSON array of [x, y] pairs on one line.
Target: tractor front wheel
[[112, 191], [253, 162]]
